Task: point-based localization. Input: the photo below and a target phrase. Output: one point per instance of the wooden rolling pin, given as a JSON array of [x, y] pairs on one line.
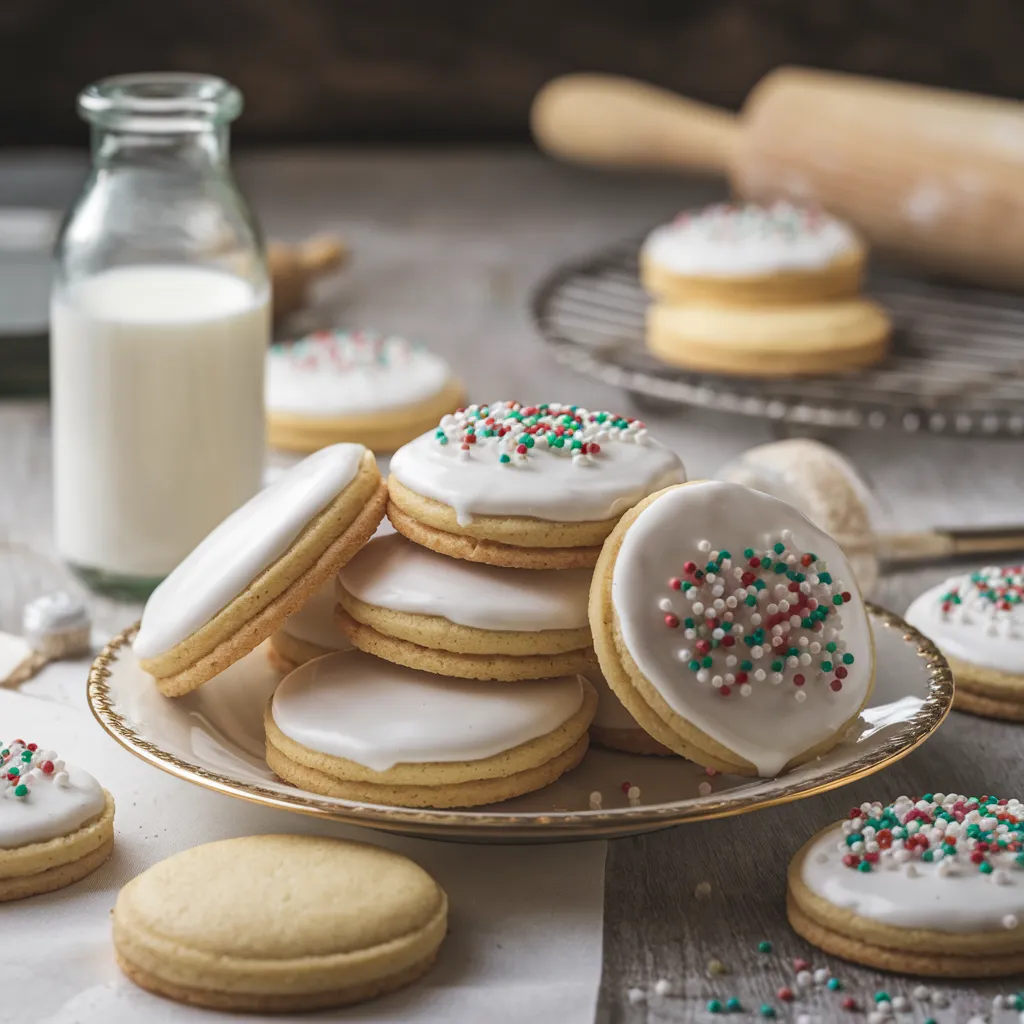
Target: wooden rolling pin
[[933, 176]]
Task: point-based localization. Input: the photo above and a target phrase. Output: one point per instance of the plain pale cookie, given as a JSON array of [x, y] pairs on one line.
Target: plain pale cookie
[[405, 603], [977, 620], [724, 622], [357, 386], [753, 255], [56, 822], [525, 486], [309, 633], [276, 923], [930, 887], [353, 726], [260, 566], [812, 339]]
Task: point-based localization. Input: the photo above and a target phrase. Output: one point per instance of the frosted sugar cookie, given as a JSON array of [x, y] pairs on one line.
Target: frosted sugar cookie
[[353, 726], [279, 924], [977, 620], [259, 566], [753, 255], [614, 727], [527, 486], [309, 633], [56, 822], [822, 484], [412, 606], [354, 386], [730, 628], [933, 886], [814, 338]]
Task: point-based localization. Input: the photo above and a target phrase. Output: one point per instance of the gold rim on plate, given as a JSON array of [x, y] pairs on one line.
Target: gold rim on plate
[[491, 824]]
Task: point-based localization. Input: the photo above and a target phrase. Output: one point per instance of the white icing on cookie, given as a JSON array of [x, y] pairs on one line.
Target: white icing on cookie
[[947, 893], [976, 617], [610, 712], [240, 548], [314, 621], [737, 241], [58, 799], [394, 573], [357, 707], [598, 468], [765, 705], [349, 373]]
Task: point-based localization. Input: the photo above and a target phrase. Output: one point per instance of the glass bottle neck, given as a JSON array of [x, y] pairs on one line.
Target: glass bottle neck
[[202, 152]]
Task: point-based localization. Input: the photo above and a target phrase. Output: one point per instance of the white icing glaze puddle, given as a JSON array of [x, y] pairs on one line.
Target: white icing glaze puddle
[[214, 737]]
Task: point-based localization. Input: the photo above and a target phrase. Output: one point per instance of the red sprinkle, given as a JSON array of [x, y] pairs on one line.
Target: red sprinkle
[[785, 994], [47, 767], [672, 621], [626, 787], [849, 1003]]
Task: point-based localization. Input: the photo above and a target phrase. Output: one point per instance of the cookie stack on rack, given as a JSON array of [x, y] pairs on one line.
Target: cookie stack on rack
[[760, 291]]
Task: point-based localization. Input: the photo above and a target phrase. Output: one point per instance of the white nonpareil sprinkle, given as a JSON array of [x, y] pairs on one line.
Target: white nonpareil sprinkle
[[821, 975], [704, 788], [921, 992], [636, 995], [663, 986]]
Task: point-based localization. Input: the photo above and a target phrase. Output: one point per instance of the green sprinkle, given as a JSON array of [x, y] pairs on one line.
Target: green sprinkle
[[706, 661], [826, 666], [835, 984], [831, 647], [714, 1006], [838, 599], [928, 856], [750, 600], [724, 555], [746, 666], [864, 866], [767, 1011], [882, 997], [748, 552], [985, 867], [776, 666], [779, 548], [21, 790], [734, 1005], [503, 458], [848, 660], [764, 946]]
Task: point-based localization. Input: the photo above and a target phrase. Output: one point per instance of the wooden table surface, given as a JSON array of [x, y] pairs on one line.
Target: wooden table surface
[[447, 248]]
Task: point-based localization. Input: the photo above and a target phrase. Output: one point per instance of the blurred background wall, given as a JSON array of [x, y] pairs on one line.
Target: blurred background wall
[[324, 71]]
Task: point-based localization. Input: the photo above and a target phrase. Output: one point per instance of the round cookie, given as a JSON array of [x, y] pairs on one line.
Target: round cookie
[[309, 633], [724, 622], [753, 255], [277, 923], [259, 566], [56, 822], [977, 620], [532, 487], [822, 484], [407, 604], [811, 339], [353, 726], [614, 727], [359, 386], [932, 887]]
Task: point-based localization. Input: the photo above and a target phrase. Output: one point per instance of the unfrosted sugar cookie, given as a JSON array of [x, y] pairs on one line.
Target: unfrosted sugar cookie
[[309, 633], [279, 924], [752, 254], [259, 566], [730, 627], [933, 886], [526, 486], [354, 726], [405, 603], [614, 727], [56, 822], [360, 386], [977, 620]]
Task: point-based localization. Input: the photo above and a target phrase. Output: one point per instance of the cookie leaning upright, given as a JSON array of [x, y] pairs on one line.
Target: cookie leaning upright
[[259, 566], [56, 822], [933, 887], [730, 628], [532, 487], [977, 620]]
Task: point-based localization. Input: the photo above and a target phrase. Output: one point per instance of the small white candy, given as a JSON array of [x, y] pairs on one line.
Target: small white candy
[[821, 975], [595, 801], [910, 871], [636, 995], [800, 696], [922, 991], [1010, 922], [704, 788], [884, 1007], [939, 999], [997, 1002], [875, 1017], [804, 978], [665, 604], [1001, 877], [663, 986], [61, 779], [633, 793], [900, 1003], [804, 1018]]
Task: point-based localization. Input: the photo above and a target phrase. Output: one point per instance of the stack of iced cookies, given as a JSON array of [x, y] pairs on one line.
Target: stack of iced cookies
[[470, 682], [760, 291]]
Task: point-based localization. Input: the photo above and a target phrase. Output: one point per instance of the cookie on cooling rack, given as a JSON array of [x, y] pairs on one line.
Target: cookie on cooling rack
[[977, 620], [407, 604], [525, 486], [259, 566], [56, 822], [358, 386], [354, 726], [933, 887], [751, 254], [731, 629]]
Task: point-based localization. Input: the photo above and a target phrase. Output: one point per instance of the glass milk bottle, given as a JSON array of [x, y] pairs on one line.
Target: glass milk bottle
[[160, 319]]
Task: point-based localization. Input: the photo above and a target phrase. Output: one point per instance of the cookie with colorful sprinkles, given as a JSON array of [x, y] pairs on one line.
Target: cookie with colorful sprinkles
[[977, 620], [56, 821], [730, 628], [933, 886], [525, 486], [374, 389]]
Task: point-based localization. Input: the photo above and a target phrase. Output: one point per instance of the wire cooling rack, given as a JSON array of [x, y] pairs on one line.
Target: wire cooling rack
[[956, 367]]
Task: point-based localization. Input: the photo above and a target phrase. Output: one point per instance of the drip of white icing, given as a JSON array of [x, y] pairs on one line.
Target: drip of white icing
[[242, 546], [357, 707], [684, 525], [392, 572]]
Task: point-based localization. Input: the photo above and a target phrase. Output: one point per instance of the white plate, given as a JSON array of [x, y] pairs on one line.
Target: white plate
[[214, 738]]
